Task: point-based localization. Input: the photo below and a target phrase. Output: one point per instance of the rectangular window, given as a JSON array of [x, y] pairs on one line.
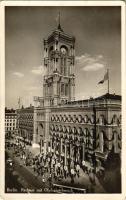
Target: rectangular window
[[66, 90], [62, 89]]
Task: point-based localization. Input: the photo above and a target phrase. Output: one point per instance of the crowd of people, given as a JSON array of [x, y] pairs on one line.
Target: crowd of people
[[50, 167]]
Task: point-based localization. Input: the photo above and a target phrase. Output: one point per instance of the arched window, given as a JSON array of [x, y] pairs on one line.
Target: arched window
[[86, 136], [52, 127], [64, 129], [79, 118], [74, 130], [74, 118], [86, 119], [85, 132], [60, 128], [101, 120], [69, 129], [62, 89], [60, 118], [114, 120], [69, 118], [64, 118], [56, 118], [92, 132], [92, 119], [56, 128], [66, 89], [80, 131]]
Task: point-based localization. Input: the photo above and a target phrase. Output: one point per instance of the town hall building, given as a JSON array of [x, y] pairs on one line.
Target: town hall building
[[75, 131]]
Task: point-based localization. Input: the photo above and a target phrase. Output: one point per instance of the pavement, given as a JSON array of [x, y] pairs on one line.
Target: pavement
[[27, 177]]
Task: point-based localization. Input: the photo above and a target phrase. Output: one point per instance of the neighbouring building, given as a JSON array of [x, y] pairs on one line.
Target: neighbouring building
[[10, 122], [25, 124], [75, 131]]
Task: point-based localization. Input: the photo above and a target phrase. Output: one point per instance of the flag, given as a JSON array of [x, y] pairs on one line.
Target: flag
[[106, 77]]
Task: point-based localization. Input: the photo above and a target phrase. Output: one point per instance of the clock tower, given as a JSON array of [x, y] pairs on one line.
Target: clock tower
[[59, 60]]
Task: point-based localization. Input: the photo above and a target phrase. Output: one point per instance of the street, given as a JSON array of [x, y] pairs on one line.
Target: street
[[30, 182], [22, 179]]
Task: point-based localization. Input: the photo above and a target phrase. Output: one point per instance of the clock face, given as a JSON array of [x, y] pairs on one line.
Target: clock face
[[63, 50]]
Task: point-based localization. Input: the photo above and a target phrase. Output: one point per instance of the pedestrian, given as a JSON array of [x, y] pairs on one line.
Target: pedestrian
[[92, 177], [72, 175], [50, 180], [58, 168], [65, 171], [77, 169], [43, 182], [33, 164], [83, 165], [55, 176]]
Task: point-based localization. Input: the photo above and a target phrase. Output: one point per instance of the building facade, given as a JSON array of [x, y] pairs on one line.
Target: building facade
[[25, 124], [10, 122], [75, 131], [59, 59]]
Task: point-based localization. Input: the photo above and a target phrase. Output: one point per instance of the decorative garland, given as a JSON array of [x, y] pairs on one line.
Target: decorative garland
[[81, 119]]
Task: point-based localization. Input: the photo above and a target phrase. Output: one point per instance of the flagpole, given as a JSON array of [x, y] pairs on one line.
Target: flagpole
[[108, 80]]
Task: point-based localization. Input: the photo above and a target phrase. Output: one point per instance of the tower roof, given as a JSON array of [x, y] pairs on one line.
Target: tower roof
[[59, 27], [59, 32]]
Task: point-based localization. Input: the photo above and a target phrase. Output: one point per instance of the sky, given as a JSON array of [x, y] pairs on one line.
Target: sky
[[98, 46]]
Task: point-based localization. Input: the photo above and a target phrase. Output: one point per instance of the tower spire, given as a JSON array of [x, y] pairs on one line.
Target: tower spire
[[59, 26], [59, 17]]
